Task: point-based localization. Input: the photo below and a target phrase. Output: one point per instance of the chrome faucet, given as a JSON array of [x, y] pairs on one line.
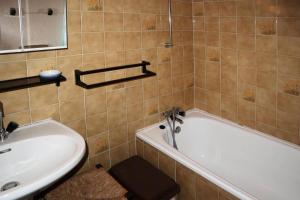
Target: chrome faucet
[[172, 116], [4, 133], [2, 129]]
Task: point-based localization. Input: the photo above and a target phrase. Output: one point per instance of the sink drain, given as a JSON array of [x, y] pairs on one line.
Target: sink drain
[[9, 185]]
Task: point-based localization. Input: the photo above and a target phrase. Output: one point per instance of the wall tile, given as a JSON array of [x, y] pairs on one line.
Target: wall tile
[[113, 22], [107, 33], [245, 7], [97, 144], [187, 180], [119, 153], [288, 8], [113, 5], [92, 22], [289, 27], [15, 101], [42, 96], [237, 50]]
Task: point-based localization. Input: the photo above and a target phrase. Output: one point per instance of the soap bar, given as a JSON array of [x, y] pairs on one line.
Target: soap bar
[[50, 74]]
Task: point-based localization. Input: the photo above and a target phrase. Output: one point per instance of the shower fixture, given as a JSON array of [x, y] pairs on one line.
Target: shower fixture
[[169, 43]]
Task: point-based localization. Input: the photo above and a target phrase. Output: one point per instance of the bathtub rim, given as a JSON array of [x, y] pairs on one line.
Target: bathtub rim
[[179, 157]]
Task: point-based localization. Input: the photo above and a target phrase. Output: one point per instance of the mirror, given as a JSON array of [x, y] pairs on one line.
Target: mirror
[[32, 25]]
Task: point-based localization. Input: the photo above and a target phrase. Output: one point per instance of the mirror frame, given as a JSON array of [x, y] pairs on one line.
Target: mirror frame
[[26, 50]]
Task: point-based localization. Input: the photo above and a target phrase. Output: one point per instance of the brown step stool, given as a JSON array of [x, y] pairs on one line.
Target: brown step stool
[[144, 181]]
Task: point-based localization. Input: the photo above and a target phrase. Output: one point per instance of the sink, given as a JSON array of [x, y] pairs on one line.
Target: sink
[[37, 155]]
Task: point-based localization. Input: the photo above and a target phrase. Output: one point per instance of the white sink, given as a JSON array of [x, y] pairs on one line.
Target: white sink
[[36, 156]]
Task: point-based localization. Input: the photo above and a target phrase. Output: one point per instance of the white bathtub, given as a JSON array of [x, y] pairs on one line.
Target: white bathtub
[[242, 161]]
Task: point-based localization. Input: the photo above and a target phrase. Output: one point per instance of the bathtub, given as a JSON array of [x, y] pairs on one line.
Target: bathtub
[[244, 162]]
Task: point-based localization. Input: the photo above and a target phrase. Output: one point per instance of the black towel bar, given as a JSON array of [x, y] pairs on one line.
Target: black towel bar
[[143, 64]]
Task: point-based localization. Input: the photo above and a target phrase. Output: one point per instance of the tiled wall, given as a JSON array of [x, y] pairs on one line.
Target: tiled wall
[[247, 63], [192, 185], [105, 33], [247, 69]]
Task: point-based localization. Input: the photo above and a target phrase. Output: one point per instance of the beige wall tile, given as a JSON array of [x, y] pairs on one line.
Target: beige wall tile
[[266, 44], [167, 165], [244, 67], [288, 103], [40, 55], [205, 189], [228, 8], [113, 5], [42, 96], [117, 136], [228, 24], [119, 153], [245, 42], [34, 67], [74, 22], [288, 8], [289, 27], [229, 107], [114, 41], [102, 159], [246, 113], [51, 111], [95, 104], [133, 6], [113, 22], [289, 85], [107, 33], [289, 46], [246, 25], [12, 57], [73, 4], [246, 7], [266, 116], [151, 154], [96, 124], [187, 180], [74, 45], [97, 144], [12, 70], [68, 64], [22, 118], [15, 101], [71, 110], [92, 5], [92, 21], [266, 26], [79, 126], [92, 42]]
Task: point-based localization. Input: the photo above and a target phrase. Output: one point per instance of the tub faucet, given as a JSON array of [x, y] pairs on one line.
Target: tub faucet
[[172, 116]]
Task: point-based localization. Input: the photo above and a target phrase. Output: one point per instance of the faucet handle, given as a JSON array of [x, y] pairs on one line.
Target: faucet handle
[[179, 111], [1, 109], [182, 113], [11, 127], [166, 113]]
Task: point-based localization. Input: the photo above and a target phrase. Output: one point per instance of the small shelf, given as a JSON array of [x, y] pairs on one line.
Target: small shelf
[[28, 82], [143, 65]]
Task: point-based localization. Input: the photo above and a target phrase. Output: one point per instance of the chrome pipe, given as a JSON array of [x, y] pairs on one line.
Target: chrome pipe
[[169, 44]]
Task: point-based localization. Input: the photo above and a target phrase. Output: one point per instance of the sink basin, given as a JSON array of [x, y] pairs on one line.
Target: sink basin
[[35, 156]]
